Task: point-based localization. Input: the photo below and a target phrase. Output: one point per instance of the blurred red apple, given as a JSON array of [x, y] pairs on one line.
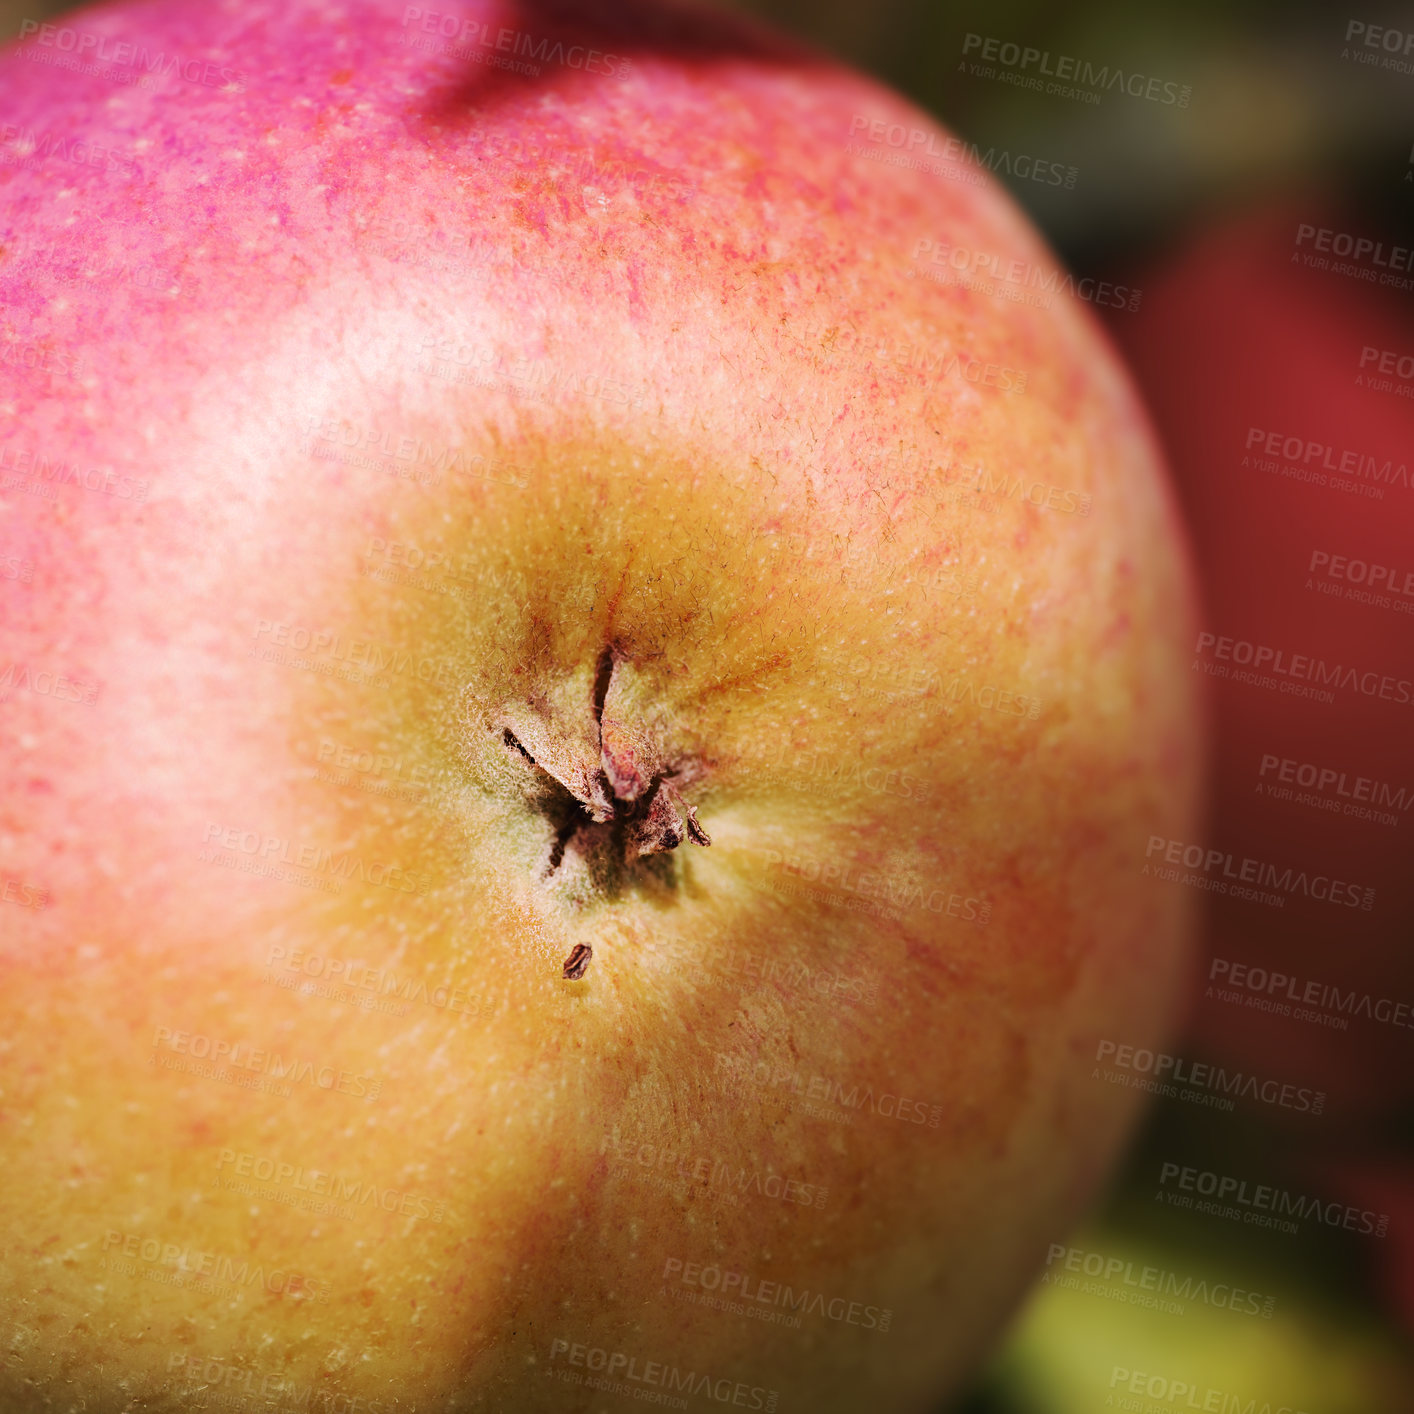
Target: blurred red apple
[[455, 989], [1277, 353], [1386, 1185]]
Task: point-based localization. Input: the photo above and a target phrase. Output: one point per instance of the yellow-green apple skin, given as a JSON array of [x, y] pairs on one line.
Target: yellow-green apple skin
[[439, 483]]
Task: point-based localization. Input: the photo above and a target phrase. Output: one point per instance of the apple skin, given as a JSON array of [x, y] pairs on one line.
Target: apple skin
[[1236, 334], [256, 732]]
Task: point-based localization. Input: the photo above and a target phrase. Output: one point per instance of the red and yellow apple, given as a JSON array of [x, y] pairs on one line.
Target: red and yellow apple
[[527, 885]]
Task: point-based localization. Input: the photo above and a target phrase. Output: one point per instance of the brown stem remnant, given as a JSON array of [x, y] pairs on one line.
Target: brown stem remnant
[[577, 963], [627, 794]]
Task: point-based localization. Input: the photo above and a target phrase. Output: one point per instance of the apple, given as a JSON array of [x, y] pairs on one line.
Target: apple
[[1270, 348], [1131, 1320], [528, 881], [1389, 1182]]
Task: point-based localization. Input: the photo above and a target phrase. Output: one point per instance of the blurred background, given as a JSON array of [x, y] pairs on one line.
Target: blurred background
[[1258, 198]]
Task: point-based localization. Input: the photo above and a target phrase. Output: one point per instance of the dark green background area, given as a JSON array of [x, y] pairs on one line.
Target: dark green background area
[[1274, 104]]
